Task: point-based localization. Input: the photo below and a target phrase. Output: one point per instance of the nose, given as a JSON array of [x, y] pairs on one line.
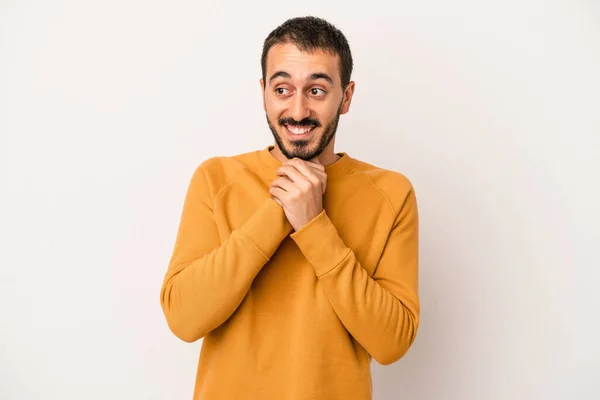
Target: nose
[[299, 108]]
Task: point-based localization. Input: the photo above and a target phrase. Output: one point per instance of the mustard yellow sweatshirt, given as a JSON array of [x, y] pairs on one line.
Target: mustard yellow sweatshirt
[[293, 314]]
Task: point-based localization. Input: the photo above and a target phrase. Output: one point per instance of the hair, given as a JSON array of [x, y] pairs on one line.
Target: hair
[[310, 34]]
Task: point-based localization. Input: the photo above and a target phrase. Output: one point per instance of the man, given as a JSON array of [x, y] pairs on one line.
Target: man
[[296, 264]]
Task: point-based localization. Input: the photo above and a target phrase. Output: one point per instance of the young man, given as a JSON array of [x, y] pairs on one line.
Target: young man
[[296, 264]]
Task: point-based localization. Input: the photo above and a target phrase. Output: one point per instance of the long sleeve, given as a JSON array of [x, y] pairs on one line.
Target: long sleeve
[[382, 312], [206, 280]]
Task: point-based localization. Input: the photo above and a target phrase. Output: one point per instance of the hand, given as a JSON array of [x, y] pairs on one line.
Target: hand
[[299, 190]]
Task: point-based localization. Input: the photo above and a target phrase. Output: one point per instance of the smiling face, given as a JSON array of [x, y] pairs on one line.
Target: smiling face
[[303, 99]]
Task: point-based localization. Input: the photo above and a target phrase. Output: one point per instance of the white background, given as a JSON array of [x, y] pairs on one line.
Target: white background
[[490, 108]]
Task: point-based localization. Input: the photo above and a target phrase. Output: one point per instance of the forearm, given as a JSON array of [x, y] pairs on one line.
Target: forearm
[[380, 312], [378, 320], [200, 294]]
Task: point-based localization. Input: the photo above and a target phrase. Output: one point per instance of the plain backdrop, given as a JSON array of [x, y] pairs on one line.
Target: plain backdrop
[[490, 108]]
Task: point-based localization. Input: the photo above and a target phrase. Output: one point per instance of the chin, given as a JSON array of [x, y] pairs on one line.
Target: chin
[[304, 152]]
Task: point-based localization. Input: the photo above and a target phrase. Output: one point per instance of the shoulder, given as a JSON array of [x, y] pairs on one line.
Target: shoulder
[[219, 171], [393, 185]]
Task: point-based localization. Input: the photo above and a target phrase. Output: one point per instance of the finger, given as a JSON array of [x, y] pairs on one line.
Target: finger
[[276, 200], [286, 184], [310, 172], [279, 193], [303, 165], [295, 176], [305, 169], [315, 176]]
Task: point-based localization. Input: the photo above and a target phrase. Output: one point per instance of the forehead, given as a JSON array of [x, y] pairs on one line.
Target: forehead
[[299, 64]]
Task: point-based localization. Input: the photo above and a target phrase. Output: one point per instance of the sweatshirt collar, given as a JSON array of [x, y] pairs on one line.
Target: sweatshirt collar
[[340, 167]]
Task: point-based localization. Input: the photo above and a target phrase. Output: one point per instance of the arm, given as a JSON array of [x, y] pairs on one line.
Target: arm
[[206, 280], [382, 312]]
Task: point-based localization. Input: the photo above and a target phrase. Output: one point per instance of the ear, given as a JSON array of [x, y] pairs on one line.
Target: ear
[[347, 99], [262, 87]]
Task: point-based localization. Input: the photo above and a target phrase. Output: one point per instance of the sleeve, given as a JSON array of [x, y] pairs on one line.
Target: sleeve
[[382, 312], [206, 280]]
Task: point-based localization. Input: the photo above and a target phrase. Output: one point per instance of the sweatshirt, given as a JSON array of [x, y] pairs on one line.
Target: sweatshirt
[[293, 315]]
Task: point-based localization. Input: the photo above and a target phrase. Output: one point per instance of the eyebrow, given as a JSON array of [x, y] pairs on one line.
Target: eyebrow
[[313, 77]]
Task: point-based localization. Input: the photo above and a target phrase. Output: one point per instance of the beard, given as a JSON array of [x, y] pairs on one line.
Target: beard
[[301, 148]]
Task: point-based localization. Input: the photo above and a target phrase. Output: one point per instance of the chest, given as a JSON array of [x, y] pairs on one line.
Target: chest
[[360, 214]]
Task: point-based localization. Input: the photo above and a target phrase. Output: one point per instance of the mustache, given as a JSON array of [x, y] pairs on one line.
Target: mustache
[[304, 122]]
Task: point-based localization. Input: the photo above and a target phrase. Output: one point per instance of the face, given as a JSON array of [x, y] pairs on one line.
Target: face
[[303, 99]]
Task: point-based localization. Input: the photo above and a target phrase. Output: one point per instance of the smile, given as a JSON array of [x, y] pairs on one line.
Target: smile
[[299, 131]]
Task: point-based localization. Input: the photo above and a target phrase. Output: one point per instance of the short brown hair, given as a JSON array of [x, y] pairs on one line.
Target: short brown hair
[[309, 34]]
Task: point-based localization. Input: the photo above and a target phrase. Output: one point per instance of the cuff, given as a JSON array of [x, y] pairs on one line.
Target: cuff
[[267, 228], [321, 244]]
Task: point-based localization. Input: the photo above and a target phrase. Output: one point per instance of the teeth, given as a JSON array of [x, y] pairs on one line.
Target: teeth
[[299, 130]]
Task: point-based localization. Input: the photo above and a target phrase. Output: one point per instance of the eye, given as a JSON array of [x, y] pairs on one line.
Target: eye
[[281, 91], [317, 92]]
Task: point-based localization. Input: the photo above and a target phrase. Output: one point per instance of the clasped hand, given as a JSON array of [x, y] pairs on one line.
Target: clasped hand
[[299, 190]]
